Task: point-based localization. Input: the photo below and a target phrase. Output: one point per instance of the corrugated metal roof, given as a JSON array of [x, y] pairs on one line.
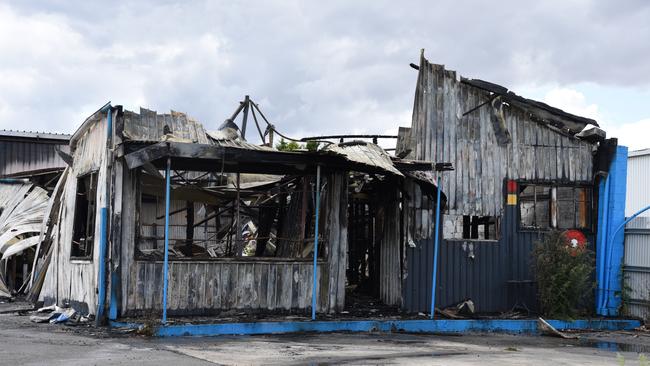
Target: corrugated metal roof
[[642, 152], [35, 135], [365, 153], [218, 139]]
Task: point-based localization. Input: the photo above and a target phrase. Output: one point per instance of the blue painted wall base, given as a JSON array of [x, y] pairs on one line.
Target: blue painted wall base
[[527, 326]]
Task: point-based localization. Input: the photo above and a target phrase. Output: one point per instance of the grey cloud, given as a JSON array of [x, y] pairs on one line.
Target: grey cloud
[[319, 67]]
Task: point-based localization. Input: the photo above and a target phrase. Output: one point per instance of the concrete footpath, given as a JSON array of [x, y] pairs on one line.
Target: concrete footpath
[[26, 343]]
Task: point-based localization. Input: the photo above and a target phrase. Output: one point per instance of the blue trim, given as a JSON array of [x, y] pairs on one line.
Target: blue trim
[[166, 265], [315, 270], [101, 296], [412, 326], [13, 181], [436, 245], [112, 307], [603, 198]]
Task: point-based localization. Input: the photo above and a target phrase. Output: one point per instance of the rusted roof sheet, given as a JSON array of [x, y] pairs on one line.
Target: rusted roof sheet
[[365, 153], [149, 126]]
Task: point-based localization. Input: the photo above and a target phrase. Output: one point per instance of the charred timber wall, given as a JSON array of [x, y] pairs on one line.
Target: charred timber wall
[[442, 133]]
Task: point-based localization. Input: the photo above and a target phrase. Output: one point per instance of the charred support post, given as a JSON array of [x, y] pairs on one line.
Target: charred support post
[[189, 228], [314, 287], [238, 245], [245, 119], [166, 264], [436, 241], [103, 228]]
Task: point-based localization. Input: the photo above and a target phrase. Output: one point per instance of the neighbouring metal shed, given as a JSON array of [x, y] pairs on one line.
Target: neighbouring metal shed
[[24, 154], [637, 235], [638, 181]]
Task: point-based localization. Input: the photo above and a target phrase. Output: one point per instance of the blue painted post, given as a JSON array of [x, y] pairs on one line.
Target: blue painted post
[[101, 283], [614, 243], [314, 286], [165, 268], [601, 242], [103, 227], [436, 240]]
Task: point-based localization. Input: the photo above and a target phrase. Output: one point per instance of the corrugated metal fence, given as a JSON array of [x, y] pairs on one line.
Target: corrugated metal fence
[[638, 176], [636, 269]]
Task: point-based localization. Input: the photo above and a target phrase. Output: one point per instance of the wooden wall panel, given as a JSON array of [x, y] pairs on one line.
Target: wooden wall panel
[[443, 134]]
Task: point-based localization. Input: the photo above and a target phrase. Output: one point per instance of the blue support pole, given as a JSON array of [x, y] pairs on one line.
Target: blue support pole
[[315, 269], [436, 241], [603, 212], [101, 283], [165, 268]]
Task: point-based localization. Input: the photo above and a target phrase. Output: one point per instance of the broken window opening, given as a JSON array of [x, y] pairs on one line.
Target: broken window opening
[[370, 212], [535, 206], [212, 216], [468, 227], [83, 231], [546, 206]]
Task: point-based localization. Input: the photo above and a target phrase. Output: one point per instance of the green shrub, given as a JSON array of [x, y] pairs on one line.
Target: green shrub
[[312, 145], [565, 282], [287, 146]]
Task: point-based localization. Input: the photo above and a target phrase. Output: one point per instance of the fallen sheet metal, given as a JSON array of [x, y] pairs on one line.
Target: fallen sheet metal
[[22, 208], [365, 153], [22, 215], [548, 330]]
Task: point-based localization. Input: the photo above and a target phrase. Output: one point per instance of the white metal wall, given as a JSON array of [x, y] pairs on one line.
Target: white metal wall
[[638, 182], [636, 270]]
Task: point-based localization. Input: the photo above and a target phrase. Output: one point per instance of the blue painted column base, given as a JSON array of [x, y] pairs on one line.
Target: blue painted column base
[[527, 326]]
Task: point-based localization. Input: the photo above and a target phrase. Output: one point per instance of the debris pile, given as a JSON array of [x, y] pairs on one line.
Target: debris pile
[[55, 315]]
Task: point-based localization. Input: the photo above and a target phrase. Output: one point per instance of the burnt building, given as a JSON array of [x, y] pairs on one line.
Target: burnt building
[[241, 222], [522, 168]]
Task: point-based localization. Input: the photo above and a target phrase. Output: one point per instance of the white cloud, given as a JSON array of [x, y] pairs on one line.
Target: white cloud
[[572, 101], [631, 134]]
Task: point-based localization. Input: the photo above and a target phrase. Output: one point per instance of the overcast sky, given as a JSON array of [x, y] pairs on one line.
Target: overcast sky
[[319, 67]]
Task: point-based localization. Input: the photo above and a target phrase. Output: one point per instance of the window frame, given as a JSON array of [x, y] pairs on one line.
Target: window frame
[[553, 205], [138, 256]]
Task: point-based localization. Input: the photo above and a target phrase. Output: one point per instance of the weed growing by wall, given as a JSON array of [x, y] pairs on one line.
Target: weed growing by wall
[[565, 277]]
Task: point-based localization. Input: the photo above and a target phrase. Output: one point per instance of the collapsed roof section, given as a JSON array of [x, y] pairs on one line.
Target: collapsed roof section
[[538, 111], [150, 138]]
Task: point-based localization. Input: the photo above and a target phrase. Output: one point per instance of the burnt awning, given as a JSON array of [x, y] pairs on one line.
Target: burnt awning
[[233, 159]]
